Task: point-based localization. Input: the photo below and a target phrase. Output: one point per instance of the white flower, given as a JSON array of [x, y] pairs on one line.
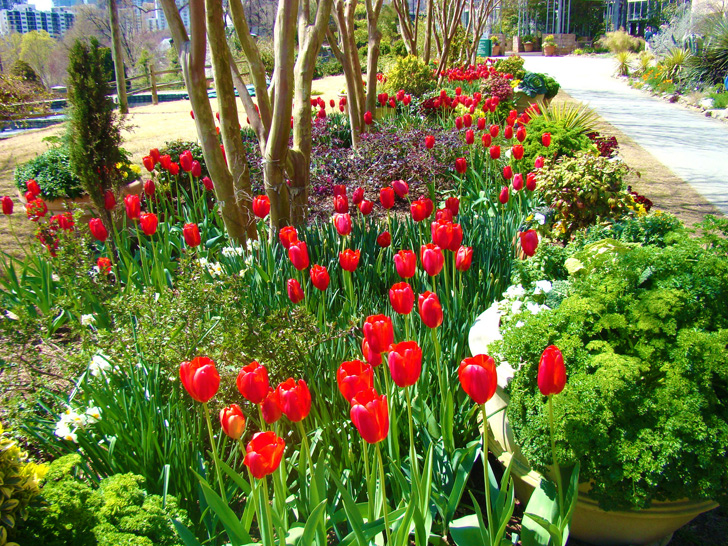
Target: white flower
[[540, 218], [534, 308], [231, 251], [93, 414], [87, 320], [516, 307], [203, 262], [515, 291], [519, 323], [55, 278], [98, 365], [215, 269], [242, 273], [542, 287], [66, 433]]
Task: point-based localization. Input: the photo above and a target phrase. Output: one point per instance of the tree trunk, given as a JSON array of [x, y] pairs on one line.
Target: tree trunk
[[428, 32], [118, 57], [375, 36]]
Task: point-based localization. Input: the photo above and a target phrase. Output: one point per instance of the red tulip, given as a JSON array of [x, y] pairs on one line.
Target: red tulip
[[453, 205], [174, 168], [508, 132], [200, 378], [517, 151], [494, 130], [481, 124], [539, 162], [149, 188], [464, 258], [62, 221], [521, 134], [402, 298], [386, 197], [432, 259], [191, 234], [261, 206], [209, 186], [405, 262], [263, 454], [407, 99], [467, 120], [384, 239], [458, 123], [529, 242], [270, 407], [298, 254], [374, 359], [29, 196], [342, 222], [148, 162], [295, 399], [232, 421], [288, 235], [349, 259], [366, 207], [339, 189], [7, 205], [487, 139], [428, 304], [392, 103], [332, 103], [478, 377], [185, 161], [429, 206], [401, 188], [457, 238], [368, 118], [109, 200], [319, 277], [443, 215], [341, 204], [295, 292], [405, 363], [252, 382], [507, 172], [495, 152], [148, 222], [429, 142], [196, 170], [441, 233], [378, 332], [518, 182], [353, 377], [551, 371], [104, 265], [33, 187], [133, 206], [370, 415], [419, 210], [531, 181], [546, 139], [358, 196], [469, 136], [98, 230], [154, 152], [461, 165], [504, 195]]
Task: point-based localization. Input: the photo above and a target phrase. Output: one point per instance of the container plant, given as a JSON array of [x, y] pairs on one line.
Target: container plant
[[644, 338], [496, 45], [549, 46]]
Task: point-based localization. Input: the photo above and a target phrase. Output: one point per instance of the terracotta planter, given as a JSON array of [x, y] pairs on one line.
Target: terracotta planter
[[523, 101], [496, 50], [549, 50], [528, 47], [590, 523]]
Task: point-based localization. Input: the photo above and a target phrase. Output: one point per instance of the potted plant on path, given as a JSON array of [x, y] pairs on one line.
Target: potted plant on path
[[644, 334], [549, 46], [496, 45]]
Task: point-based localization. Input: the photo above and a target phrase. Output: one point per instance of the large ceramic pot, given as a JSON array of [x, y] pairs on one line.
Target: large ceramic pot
[[549, 50], [653, 526], [528, 47], [523, 101], [496, 50]]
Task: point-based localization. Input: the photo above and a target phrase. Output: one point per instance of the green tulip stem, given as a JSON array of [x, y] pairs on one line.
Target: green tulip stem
[[266, 504], [384, 495], [407, 325], [434, 284], [557, 470], [262, 420], [447, 279], [15, 235], [307, 449], [215, 456], [433, 333], [370, 489], [413, 454], [486, 468]]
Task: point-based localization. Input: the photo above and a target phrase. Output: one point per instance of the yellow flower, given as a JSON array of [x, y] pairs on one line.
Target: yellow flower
[[135, 169]]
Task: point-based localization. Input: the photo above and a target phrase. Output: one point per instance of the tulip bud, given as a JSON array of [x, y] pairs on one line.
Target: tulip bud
[[232, 421], [464, 258], [546, 139], [209, 186], [368, 118], [469, 136], [298, 254], [487, 139], [378, 332], [358, 196], [384, 239], [481, 124], [287, 236], [428, 305], [507, 172], [405, 363], [467, 120], [529, 242], [538, 162], [149, 189], [191, 234], [478, 377], [365, 207], [458, 123], [518, 182], [98, 230], [517, 151], [319, 277], [196, 170], [429, 142], [495, 152], [263, 454], [295, 292], [270, 407], [401, 188], [133, 206], [252, 382], [109, 200], [200, 378], [453, 205], [551, 371], [33, 187], [386, 197], [461, 165], [521, 134], [7, 205], [349, 259], [504, 195], [342, 223], [531, 181], [261, 206], [185, 161], [148, 222], [341, 204], [148, 163], [508, 132], [494, 130], [432, 259]]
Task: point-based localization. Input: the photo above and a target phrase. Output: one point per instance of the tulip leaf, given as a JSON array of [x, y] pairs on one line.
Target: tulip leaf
[[236, 533], [186, 536], [465, 531], [461, 480], [313, 521], [241, 482], [543, 504], [355, 520]]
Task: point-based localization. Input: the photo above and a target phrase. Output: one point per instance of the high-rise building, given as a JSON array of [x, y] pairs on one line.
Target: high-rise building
[[184, 12], [23, 18]]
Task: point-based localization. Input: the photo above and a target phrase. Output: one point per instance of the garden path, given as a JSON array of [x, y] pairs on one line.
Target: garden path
[[691, 145]]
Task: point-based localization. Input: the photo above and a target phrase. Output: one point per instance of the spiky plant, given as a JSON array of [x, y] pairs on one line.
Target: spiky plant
[[624, 60], [571, 116], [712, 65], [644, 61], [672, 65]]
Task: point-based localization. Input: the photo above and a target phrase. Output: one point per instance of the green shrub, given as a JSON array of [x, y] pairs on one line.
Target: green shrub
[[564, 141], [583, 190], [327, 67], [52, 170], [644, 338], [412, 75], [578, 51], [711, 66], [19, 484], [25, 72], [73, 512], [511, 65], [619, 41], [720, 100], [552, 87]]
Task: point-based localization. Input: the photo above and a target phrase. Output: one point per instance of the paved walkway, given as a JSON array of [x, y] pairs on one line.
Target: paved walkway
[[692, 146]]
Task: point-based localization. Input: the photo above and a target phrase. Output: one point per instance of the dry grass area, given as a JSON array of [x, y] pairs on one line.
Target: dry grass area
[[151, 126]]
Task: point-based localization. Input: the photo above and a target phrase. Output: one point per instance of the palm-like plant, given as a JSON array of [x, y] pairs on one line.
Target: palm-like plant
[[712, 65], [644, 61], [672, 65], [624, 60], [569, 115]]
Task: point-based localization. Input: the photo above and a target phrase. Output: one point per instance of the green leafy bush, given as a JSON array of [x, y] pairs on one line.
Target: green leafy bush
[[644, 337], [552, 87], [583, 190], [412, 75], [512, 65], [18, 484], [619, 41], [327, 67], [564, 141], [74, 512], [52, 171]]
